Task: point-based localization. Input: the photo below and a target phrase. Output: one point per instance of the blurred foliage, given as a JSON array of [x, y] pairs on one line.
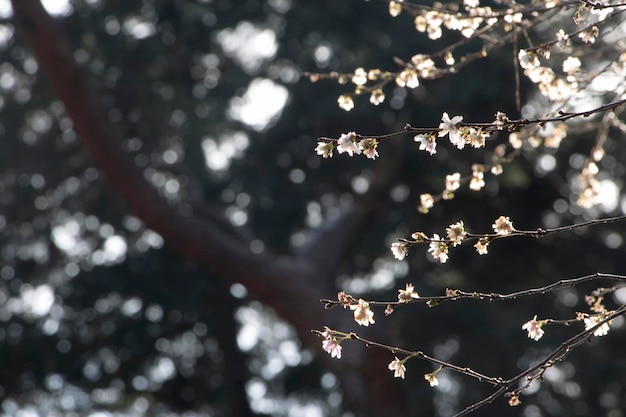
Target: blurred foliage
[[97, 314]]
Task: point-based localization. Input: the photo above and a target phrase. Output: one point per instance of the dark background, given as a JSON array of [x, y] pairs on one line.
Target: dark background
[[212, 315]]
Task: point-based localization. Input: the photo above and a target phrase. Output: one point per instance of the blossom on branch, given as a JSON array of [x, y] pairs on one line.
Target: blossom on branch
[[427, 143], [449, 127], [345, 102], [456, 233], [503, 226], [362, 313], [368, 146], [432, 379], [426, 202], [438, 249], [527, 60], [347, 143], [324, 149], [399, 250], [534, 328], [406, 295], [331, 346], [359, 77], [407, 78], [592, 321], [481, 246], [453, 182], [398, 368], [478, 178], [377, 97]]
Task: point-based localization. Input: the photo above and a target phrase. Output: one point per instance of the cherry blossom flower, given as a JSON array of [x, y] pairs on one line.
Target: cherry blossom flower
[[347, 143], [481, 246], [407, 78], [514, 400], [439, 250], [359, 77], [394, 8], [593, 321], [368, 146], [571, 64], [456, 233], [476, 137], [534, 328], [362, 313], [427, 143], [449, 127], [399, 250], [398, 368], [503, 226], [324, 149], [478, 180], [377, 97], [432, 379], [590, 35], [453, 181], [527, 60], [331, 346], [406, 295], [426, 201], [345, 102]]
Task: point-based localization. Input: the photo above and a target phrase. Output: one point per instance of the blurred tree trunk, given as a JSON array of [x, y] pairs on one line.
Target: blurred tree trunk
[[292, 285]]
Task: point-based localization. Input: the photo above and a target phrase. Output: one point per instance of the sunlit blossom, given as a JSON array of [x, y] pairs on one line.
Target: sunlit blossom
[[368, 146], [503, 226], [592, 321], [426, 201], [331, 346], [534, 328], [377, 97], [345, 102], [482, 246], [395, 8], [438, 249], [347, 143], [399, 250], [359, 77], [324, 149], [406, 295], [407, 78], [432, 379], [427, 143], [362, 313], [456, 233], [398, 368], [478, 180], [450, 127], [514, 401], [527, 60]]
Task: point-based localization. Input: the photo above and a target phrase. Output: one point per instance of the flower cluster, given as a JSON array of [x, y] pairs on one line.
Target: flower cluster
[[455, 235], [349, 143]]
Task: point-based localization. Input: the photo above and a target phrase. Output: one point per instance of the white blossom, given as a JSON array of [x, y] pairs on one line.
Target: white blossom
[[362, 313], [347, 143], [449, 127], [503, 226], [438, 249], [427, 143], [534, 328], [398, 368]]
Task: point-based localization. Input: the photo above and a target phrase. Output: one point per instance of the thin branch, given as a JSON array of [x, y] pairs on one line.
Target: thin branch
[[454, 295]]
